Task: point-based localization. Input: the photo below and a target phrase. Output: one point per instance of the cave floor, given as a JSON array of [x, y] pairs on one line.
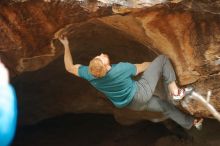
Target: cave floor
[[103, 130]]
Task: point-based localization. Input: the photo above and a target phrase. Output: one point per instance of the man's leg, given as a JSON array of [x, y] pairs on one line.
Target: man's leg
[[159, 66], [156, 104]]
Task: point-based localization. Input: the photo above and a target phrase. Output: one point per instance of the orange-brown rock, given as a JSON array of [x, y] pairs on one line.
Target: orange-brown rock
[[27, 28], [187, 32]]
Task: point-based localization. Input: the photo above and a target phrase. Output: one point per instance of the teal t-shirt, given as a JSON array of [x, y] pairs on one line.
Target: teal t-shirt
[[117, 84]]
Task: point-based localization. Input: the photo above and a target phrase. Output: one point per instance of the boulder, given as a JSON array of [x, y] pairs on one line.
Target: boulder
[[188, 32]]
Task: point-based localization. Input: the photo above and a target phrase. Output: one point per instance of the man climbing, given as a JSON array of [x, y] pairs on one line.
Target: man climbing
[[115, 81]]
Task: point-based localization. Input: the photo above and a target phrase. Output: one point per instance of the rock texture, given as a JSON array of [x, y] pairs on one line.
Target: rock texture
[[27, 28], [186, 31]]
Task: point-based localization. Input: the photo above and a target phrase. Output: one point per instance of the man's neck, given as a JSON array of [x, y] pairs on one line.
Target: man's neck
[[109, 67]]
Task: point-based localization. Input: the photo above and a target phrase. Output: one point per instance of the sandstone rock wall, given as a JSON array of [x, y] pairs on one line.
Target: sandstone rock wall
[[188, 32]]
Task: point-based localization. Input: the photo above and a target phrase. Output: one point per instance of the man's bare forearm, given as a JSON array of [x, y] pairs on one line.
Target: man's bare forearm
[[142, 67], [68, 61], [145, 65]]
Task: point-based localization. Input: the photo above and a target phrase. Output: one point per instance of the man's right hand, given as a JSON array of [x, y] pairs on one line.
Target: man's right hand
[[64, 41]]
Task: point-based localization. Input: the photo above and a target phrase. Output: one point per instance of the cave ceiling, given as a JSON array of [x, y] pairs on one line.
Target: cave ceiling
[[188, 32]]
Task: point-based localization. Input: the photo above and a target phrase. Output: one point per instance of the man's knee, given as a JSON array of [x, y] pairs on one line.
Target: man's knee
[[163, 57]]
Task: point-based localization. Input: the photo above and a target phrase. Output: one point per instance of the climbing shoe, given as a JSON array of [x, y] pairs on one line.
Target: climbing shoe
[[182, 92]]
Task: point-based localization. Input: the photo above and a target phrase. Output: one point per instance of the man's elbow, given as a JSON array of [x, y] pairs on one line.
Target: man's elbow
[[68, 69], [72, 70]]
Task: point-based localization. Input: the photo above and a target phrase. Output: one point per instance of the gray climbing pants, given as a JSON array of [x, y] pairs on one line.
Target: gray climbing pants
[[145, 100]]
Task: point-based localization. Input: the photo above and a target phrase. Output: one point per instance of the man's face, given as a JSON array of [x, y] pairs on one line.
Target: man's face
[[104, 58]]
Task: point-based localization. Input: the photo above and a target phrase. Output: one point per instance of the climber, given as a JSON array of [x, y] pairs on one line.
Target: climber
[[115, 81], [8, 108]]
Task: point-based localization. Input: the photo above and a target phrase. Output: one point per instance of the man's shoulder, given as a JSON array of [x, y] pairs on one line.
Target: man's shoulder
[[121, 66], [83, 72], [123, 63]]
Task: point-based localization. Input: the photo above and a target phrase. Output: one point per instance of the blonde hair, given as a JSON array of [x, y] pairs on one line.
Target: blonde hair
[[97, 68]]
